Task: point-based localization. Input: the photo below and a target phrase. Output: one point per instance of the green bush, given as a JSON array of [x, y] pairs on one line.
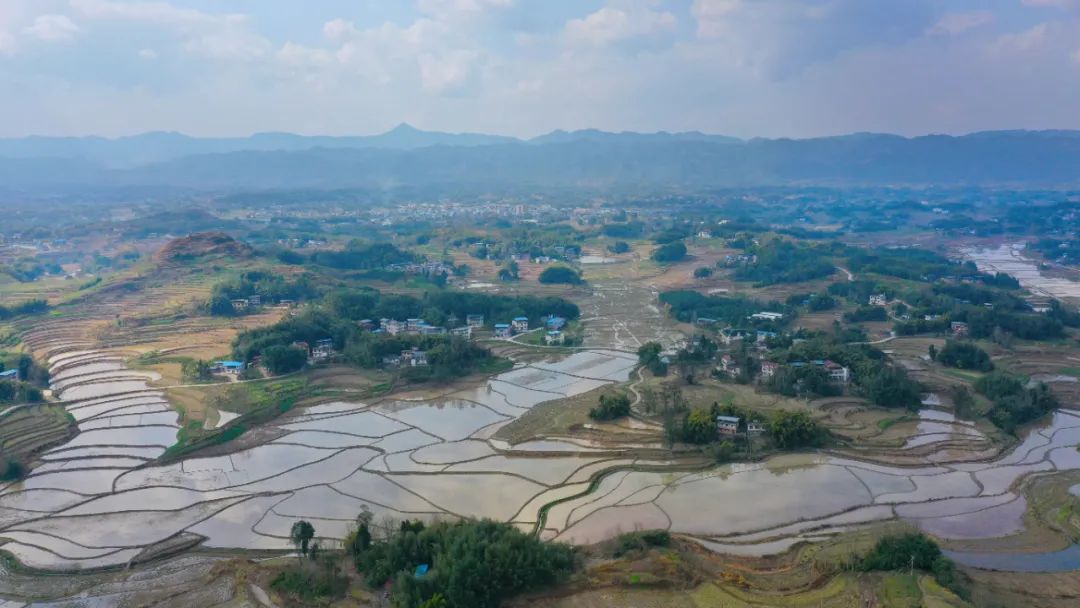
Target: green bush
[[964, 355], [473, 564], [610, 408], [640, 541], [553, 275], [311, 583], [671, 252]]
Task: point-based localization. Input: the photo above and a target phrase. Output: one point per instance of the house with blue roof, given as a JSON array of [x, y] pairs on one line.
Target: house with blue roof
[[227, 367]]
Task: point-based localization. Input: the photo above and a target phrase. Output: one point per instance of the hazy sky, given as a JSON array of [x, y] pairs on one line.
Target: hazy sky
[[522, 67]]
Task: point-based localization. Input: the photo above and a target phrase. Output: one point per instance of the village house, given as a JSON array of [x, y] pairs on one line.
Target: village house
[[392, 326], [413, 357], [762, 336], [728, 366], [837, 373], [769, 368], [240, 305], [959, 328], [503, 330], [413, 325], [231, 368], [878, 299], [520, 324], [474, 320], [766, 316], [324, 349], [464, 332], [730, 336], [553, 337], [555, 323], [255, 300], [727, 425], [755, 428], [366, 324]]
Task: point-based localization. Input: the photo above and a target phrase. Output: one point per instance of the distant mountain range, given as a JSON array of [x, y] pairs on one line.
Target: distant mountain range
[[408, 157]]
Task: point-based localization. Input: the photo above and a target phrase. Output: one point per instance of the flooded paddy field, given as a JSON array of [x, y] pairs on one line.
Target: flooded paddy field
[[1009, 258], [427, 457], [440, 455]]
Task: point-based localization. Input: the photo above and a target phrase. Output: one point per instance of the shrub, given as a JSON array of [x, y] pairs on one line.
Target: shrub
[[964, 355], [671, 252], [553, 275], [640, 541], [610, 408]]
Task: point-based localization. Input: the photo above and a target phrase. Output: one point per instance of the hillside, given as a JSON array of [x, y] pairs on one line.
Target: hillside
[[200, 245]]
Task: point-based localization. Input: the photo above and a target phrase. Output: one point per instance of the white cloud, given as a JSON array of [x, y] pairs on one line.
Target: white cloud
[[428, 55], [225, 37], [298, 55], [230, 44], [446, 8], [7, 44], [52, 28], [148, 54], [449, 72], [161, 13], [1025, 41], [952, 24], [619, 22], [1076, 56]]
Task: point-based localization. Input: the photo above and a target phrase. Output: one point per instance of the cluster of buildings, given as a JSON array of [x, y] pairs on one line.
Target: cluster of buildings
[[728, 426], [242, 305], [425, 268], [739, 259], [838, 374], [412, 327]]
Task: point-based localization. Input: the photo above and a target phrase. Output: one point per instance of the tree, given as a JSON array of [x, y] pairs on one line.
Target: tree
[[195, 370], [671, 252], [795, 429], [932, 351], [436, 601], [964, 355], [703, 273], [300, 536], [890, 386], [963, 402], [699, 427], [610, 408], [284, 359], [553, 275], [619, 247], [510, 272]]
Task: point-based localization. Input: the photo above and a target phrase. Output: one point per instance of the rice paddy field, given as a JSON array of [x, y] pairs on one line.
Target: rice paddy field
[[110, 490]]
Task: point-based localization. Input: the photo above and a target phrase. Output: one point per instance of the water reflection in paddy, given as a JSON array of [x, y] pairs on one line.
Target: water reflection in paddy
[[431, 456]]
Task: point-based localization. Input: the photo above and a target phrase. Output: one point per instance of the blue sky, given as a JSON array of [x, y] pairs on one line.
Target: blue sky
[[775, 68]]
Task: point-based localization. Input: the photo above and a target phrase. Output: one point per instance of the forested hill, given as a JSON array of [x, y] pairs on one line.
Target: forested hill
[[594, 160]]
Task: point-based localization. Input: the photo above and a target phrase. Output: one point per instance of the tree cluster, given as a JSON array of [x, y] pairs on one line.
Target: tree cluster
[[472, 564], [964, 355], [1014, 403], [554, 275], [611, 407]]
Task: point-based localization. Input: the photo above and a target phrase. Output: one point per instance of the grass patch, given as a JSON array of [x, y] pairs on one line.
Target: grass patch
[[901, 591], [257, 402]]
